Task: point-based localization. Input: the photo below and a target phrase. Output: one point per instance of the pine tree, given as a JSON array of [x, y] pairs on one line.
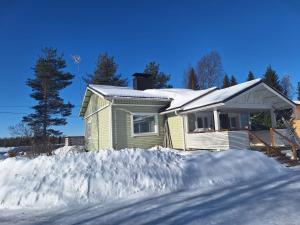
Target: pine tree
[[233, 81], [106, 72], [191, 79], [272, 79], [226, 81], [49, 79], [250, 76], [298, 90], [159, 79]]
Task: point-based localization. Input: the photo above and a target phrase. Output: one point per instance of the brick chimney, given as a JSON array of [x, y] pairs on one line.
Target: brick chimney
[[142, 81]]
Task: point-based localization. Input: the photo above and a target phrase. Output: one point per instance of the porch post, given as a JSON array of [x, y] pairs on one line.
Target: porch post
[[216, 120], [273, 118]]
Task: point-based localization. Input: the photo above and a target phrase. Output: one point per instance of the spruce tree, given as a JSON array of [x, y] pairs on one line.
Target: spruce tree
[[106, 72], [50, 110], [191, 79], [226, 81], [233, 81], [272, 79], [159, 79], [250, 76]]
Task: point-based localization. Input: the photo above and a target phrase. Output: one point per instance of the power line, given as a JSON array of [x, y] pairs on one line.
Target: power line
[[18, 113]]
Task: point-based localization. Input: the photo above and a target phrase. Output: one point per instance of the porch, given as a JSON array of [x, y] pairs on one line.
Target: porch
[[230, 128]]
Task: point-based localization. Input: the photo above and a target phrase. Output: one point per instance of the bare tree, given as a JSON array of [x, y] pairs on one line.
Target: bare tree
[[20, 130], [209, 70], [287, 88]]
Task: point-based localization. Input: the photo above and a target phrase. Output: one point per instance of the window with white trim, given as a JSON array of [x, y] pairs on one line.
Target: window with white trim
[[200, 122], [144, 124]]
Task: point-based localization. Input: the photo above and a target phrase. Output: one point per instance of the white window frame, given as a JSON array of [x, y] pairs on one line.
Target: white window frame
[[204, 116], [156, 130]]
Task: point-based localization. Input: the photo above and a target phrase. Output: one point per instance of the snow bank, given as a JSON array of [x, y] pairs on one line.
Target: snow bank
[[73, 177]]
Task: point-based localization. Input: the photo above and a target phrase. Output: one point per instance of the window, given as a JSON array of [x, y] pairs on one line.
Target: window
[[233, 122], [200, 122], [245, 120], [144, 124], [205, 122], [191, 122]]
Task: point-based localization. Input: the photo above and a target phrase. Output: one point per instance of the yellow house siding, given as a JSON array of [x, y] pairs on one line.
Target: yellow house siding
[[297, 120], [297, 127], [175, 123], [122, 128], [99, 124]]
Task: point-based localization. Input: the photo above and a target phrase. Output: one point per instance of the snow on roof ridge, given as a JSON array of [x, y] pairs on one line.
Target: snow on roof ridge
[[127, 92], [297, 102], [107, 86]]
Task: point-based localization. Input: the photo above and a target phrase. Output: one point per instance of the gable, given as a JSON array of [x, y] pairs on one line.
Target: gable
[[260, 96], [90, 101]]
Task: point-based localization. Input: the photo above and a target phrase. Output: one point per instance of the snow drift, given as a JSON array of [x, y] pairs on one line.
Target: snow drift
[[74, 177]]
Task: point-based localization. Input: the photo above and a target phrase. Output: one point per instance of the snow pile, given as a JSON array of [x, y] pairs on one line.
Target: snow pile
[[73, 177]]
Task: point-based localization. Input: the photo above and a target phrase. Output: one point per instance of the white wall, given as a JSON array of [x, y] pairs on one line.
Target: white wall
[[218, 140]]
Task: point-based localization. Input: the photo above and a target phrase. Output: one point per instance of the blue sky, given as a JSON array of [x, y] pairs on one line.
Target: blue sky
[[249, 35]]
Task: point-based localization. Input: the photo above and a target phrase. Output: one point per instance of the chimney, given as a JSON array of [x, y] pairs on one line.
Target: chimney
[[142, 81]]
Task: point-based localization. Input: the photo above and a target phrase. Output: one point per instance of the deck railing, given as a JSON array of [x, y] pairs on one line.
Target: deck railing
[[294, 145], [269, 148]]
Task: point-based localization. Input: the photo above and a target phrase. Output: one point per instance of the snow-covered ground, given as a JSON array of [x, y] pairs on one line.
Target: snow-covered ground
[[148, 187], [3, 152]]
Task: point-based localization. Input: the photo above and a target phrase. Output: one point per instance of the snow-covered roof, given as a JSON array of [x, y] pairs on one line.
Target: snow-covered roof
[[220, 95], [296, 102], [180, 99], [180, 96], [126, 92]]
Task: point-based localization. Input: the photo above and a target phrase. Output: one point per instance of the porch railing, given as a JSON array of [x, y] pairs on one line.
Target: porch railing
[[269, 148], [294, 145]]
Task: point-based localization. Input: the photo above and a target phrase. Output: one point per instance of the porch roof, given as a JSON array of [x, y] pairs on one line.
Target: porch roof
[[229, 97]]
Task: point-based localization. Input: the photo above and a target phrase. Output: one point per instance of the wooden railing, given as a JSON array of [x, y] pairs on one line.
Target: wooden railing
[[294, 145], [269, 148]]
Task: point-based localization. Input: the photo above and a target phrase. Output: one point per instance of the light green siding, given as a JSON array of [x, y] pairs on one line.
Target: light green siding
[[97, 135], [175, 123], [115, 121], [122, 127]]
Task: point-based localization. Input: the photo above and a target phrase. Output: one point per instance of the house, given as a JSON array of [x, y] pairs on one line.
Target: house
[[121, 117], [297, 118]]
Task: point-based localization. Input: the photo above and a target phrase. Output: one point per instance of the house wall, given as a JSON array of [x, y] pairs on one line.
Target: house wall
[[297, 120], [99, 124], [122, 124], [175, 123], [218, 140], [297, 127]]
